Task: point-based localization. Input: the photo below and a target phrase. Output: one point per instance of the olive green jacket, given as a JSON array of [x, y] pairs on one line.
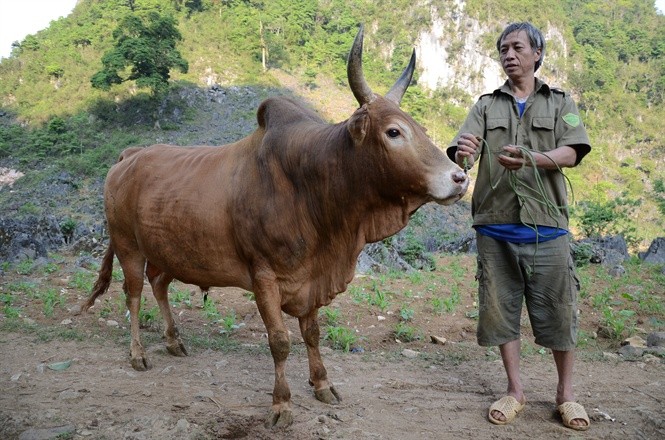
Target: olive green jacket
[[550, 120]]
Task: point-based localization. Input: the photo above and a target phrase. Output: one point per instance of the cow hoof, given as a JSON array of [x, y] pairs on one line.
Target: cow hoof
[[328, 395], [280, 419], [177, 349], [141, 364]]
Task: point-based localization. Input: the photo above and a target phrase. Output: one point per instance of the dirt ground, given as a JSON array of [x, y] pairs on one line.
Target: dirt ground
[[66, 376]]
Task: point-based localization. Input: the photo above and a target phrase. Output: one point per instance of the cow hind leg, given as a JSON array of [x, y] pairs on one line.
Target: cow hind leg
[[318, 376], [160, 283], [133, 269]]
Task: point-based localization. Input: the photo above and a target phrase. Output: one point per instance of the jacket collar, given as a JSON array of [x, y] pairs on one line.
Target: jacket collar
[[541, 87]]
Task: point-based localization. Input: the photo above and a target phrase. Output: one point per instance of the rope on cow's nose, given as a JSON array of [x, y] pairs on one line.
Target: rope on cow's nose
[[525, 193]]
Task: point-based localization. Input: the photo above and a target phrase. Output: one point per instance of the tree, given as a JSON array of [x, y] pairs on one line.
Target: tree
[[147, 50]]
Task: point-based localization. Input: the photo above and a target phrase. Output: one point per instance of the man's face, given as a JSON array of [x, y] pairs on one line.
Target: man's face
[[517, 57]]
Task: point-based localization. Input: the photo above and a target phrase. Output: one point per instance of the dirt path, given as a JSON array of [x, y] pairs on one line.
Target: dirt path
[[211, 394]]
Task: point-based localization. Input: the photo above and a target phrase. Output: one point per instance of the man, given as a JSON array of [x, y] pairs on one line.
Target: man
[[521, 135]]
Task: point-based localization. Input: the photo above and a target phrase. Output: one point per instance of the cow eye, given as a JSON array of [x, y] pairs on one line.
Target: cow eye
[[393, 132]]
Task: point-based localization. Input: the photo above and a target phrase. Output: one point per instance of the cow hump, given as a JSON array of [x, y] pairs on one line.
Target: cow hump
[[282, 110]]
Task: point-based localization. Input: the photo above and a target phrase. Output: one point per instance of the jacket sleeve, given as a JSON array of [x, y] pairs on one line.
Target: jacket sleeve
[[474, 123], [569, 129]]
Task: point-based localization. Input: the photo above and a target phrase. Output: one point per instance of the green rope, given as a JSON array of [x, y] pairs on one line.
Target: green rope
[[524, 192]]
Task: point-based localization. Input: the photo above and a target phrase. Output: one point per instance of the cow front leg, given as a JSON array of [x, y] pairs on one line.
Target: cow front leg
[[160, 283], [318, 376], [269, 305]]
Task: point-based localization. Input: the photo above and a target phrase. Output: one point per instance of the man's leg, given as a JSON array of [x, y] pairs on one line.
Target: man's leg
[[565, 361], [510, 354]]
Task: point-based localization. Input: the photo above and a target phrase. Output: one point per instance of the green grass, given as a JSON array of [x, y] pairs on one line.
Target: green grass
[[180, 297], [406, 313], [51, 298], [229, 322], [407, 333], [331, 315], [147, 316], [340, 337], [83, 280]]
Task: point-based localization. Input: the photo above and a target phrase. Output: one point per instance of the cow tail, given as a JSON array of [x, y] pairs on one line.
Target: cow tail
[[103, 279]]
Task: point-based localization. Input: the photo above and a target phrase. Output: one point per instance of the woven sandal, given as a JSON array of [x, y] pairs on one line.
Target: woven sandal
[[508, 406], [573, 411]]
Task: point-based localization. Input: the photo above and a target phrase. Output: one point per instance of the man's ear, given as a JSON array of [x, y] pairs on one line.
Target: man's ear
[[358, 124]]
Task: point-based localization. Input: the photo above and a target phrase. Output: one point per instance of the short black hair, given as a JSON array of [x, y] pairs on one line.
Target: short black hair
[[535, 38]]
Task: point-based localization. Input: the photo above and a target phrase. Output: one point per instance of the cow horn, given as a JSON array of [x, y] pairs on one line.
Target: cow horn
[[399, 88], [354, 71]]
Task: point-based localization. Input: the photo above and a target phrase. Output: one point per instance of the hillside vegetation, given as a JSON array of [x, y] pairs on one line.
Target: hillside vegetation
[[52, 121]]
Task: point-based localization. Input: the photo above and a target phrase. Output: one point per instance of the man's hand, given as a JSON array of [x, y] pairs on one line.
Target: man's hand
[[512, 158], [467, 145]]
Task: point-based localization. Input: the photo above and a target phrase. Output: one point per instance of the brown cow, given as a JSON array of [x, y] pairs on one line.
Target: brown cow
[[283, 213]]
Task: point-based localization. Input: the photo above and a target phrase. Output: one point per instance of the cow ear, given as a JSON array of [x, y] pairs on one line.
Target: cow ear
[[359, 124]]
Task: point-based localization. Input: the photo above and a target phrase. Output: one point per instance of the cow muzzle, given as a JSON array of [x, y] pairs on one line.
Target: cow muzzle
[[451, 189]]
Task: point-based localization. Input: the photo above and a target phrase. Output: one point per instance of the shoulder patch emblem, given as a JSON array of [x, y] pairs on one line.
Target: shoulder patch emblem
[[572, 119]]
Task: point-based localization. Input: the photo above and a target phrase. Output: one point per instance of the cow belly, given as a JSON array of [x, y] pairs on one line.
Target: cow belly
[[193, 252]]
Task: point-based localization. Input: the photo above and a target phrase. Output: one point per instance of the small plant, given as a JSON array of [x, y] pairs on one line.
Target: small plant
[[107, 308], [6, 299], [50, 268], [25, 266], [50, 299], [415, 277], [453, 300], [600, 300], [437, 305], [357, 294], [29, 209], [27, 288], [147, 316], [406, 313], [67, 228], [378, 297], [82, 280], [448, 305], [341, 338], [210, 310], [117, 275], [331, 315], [457, 269], [618, 324], [180, 297], [406, 333], [10, 312], [228, 322]]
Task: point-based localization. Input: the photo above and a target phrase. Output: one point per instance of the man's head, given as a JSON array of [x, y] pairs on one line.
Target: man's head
[[526, 33]]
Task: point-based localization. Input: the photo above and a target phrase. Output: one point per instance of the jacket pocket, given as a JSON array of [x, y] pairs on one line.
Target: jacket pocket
[[543, 123], [494, 123], [496, 136], [542, 134]]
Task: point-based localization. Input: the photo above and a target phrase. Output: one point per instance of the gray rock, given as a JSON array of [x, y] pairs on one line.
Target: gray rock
[[408, 353], [631, 352], [608, 251], [69, 395], [617, 271], [656, 252], [47, 433], [656, 339], [655, 351]]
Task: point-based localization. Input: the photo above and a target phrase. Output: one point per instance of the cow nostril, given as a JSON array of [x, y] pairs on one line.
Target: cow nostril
[[459, 177]]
